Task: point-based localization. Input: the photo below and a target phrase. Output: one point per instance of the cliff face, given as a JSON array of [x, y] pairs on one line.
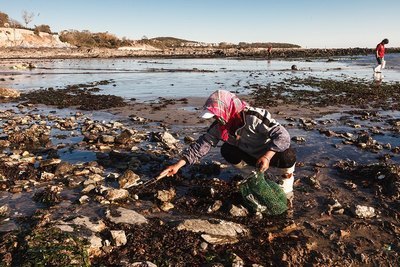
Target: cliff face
[[10, 37]]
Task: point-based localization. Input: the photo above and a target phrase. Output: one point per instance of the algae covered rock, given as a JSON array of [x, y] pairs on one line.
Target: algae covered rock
[[53, 247]]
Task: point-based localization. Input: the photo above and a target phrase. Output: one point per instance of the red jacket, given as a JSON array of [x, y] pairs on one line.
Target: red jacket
[[380, 49]]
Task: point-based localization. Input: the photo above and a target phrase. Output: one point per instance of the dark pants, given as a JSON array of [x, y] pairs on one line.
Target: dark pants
[[379, 60], [234, 155]]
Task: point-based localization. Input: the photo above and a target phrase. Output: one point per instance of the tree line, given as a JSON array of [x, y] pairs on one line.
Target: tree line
[[86, 38]]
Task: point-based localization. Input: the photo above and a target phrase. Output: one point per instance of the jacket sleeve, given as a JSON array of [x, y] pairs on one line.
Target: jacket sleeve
[[201, 147]]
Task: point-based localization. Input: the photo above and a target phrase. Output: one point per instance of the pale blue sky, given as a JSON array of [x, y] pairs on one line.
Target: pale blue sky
[[308, 23]]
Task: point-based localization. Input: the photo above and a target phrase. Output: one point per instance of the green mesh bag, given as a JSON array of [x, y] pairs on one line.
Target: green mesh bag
[[261, 195]]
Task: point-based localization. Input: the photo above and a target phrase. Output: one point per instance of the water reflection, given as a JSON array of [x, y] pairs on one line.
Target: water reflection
[[378, 78]]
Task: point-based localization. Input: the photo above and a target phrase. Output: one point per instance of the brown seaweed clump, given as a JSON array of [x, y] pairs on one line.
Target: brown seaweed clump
[[74, 96]]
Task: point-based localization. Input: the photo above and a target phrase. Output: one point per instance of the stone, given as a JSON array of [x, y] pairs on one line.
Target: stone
[[87, 223], [116, 194], [127, 216], [166, 206], [140, 264], [4, 210], [238, 211], [119, 237], [166, 195], [214, 207], [9, 93], [84, 199], [128, 179], [63, 168], [108, 139], [215, 231], [364, 211]]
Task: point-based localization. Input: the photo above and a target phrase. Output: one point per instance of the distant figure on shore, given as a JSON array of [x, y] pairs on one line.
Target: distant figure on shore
[[269, 51], [380, 55]]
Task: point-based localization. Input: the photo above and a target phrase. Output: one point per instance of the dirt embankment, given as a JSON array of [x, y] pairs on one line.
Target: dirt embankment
[[23, 38]]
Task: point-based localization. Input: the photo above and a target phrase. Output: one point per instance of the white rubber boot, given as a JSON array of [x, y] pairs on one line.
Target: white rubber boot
[[287, 179], [287, 184], [378, 69]]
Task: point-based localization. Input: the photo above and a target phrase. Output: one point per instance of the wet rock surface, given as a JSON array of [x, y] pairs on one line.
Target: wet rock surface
[[71, 188]]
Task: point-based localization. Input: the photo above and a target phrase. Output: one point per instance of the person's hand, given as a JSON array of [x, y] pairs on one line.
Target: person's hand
[[170, 170], [173, 169], [263, 163]]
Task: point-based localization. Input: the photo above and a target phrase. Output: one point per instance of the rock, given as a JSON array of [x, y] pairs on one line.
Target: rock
[[203, 246], [124, 137], [237, 261], [238, 211], [116, 194], [9, 93], [81, 172], [166, 139], [215, 231], [63, 168], [126, 216], [166, 206], [364, 212], [88, 188], [294, 67], [334, 207], [49, 195], [313, 180], [4, 143], [46, 176], [4, 210], [49, 162], [166, 195], [108, 139], [142, 263], [119, 237], [216, 206], [299, 139], [86, 222], [84, 199], [128, 179]]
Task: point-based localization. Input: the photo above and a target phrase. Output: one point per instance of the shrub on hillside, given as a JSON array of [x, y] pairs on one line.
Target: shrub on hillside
[[42, 28], [4, 19], [89, 39]]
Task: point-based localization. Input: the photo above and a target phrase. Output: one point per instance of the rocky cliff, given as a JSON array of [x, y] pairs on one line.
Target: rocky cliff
[[10, 37]]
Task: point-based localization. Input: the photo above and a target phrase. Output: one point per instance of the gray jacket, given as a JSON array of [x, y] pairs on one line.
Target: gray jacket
[[259, 134]]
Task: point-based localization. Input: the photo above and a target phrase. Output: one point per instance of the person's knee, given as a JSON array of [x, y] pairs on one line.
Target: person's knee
[[288, 158]]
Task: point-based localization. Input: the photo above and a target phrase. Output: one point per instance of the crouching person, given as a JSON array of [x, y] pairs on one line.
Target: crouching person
[[252, 139]]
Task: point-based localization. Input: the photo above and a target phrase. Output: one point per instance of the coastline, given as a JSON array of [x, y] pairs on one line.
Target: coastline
[[181, 52]]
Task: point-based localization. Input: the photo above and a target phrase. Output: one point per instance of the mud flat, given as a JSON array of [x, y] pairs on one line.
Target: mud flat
[[70, 182]]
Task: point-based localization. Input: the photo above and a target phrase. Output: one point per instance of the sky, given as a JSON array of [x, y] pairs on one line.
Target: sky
[[308, 23]]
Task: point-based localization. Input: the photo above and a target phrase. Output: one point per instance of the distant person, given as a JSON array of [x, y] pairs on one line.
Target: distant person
[[251, 139], [380, 55], [269, 51]]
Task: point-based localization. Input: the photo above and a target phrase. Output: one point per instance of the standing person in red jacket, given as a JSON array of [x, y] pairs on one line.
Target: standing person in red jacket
[[380, 54]]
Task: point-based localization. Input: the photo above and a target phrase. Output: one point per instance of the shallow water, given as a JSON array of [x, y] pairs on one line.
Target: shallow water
[[148, 80], [153, 78]]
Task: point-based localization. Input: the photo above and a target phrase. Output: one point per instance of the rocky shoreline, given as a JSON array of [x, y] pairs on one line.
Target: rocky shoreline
[[71, 190], [181, 52]]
